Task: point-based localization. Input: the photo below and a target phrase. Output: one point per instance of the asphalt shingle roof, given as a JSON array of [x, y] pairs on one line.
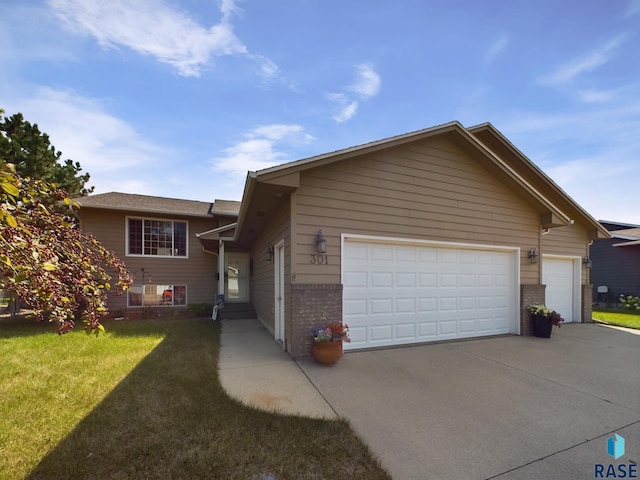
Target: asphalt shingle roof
[[629, 232], [226, 207], [146, 203]]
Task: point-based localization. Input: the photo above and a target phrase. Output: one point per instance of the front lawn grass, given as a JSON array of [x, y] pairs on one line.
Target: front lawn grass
[[620, 318], [144, 401]]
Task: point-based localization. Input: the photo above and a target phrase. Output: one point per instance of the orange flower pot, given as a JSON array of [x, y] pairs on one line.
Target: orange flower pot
[[327, 353]]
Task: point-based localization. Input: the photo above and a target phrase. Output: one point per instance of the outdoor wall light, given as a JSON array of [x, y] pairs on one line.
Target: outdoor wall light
[[269, 252], [321, 243], [587, 262], [533, 255]]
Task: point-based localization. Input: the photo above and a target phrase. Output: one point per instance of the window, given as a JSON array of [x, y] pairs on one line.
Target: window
[[160, 238], [157, 295]]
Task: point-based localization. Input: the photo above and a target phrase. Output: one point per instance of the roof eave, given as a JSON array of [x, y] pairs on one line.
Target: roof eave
[[599, 233], [144, 210]]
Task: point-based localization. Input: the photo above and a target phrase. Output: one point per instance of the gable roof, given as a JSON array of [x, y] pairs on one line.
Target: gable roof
[[146, 204], [498, 143], [484, 143]]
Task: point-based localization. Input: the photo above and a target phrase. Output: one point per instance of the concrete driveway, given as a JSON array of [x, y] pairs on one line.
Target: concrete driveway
[[505, 408]]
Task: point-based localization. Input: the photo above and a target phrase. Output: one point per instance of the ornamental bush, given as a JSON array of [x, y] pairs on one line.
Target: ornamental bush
[[630, 302]]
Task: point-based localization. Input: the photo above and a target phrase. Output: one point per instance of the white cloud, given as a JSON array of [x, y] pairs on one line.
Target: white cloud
[[591, 152], [154, 28], [595, 96], [104, 145], [364, 86], [261, 149], [367, 82], [566, 73], [496, 48], [633, 8]]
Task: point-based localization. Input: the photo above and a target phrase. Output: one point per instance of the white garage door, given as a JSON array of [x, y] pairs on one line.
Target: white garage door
[[559, 276], [401, 293]]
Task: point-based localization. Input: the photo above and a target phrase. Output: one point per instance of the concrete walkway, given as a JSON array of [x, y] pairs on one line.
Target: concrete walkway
[[255, 370], [505, 408]]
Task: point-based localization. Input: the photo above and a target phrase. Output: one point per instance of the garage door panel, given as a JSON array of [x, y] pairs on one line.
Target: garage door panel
[[405, 331], [448, 280], [358, 335], [381, 333], [381, 280], [354, 307], [406, 254], [406, 305], [485, 324], [427, 305], [424, 293], [467, 303], [382, 255], [467, 326], [448, 327], [381, 306], [427, 280], [447, 256], [406, 280], [354, 279]]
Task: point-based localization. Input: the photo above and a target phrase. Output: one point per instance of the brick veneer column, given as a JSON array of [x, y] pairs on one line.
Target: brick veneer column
[[587, 303], [529, 295], [312, 305]]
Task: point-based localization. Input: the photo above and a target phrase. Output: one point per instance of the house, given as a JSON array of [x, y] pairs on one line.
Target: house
[[156, 239], [616, 263], [444, 233]]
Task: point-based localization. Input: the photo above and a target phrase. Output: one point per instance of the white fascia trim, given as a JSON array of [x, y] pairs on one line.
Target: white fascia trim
[[626, 244], [216, 230]]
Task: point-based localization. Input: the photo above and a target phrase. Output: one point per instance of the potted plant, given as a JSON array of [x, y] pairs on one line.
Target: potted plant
[[543, 319], [327, 345]]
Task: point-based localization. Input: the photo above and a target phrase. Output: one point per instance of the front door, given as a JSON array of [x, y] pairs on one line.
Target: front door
[[236, 277]]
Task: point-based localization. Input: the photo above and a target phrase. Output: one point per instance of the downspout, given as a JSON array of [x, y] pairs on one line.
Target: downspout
[[221, 267]]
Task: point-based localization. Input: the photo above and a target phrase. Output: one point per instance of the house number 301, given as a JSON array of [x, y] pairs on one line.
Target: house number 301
[[319, 260]]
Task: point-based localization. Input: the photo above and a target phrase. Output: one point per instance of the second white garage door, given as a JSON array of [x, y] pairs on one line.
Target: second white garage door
[[399, 292]]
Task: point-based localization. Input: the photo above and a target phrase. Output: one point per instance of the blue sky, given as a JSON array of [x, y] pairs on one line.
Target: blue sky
[[179, 98]]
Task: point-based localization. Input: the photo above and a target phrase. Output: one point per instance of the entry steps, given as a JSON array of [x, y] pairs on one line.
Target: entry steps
[[237, 311]]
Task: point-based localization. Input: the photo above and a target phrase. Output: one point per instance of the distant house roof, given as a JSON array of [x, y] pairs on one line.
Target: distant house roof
[[630, 235], [614, 226], [144, 203], [629, 232]]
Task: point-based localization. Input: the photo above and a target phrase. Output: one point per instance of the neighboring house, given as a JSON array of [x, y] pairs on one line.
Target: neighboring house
[[616, 263], [439, 234], [155, 237]]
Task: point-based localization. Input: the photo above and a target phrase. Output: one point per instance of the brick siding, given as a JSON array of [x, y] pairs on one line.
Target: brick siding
[[587, 303], [312, 305], [529, 295]]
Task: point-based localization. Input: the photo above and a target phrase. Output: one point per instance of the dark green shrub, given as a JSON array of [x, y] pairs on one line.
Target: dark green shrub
[[199, 309]]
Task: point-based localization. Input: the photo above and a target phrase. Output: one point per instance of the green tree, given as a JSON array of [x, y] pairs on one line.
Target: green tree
[[25, 146], [62, 272]]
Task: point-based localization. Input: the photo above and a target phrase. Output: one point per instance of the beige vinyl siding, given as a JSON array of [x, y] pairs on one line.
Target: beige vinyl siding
[[262, 282], [427, 190], [197, 272], [570, 241]]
